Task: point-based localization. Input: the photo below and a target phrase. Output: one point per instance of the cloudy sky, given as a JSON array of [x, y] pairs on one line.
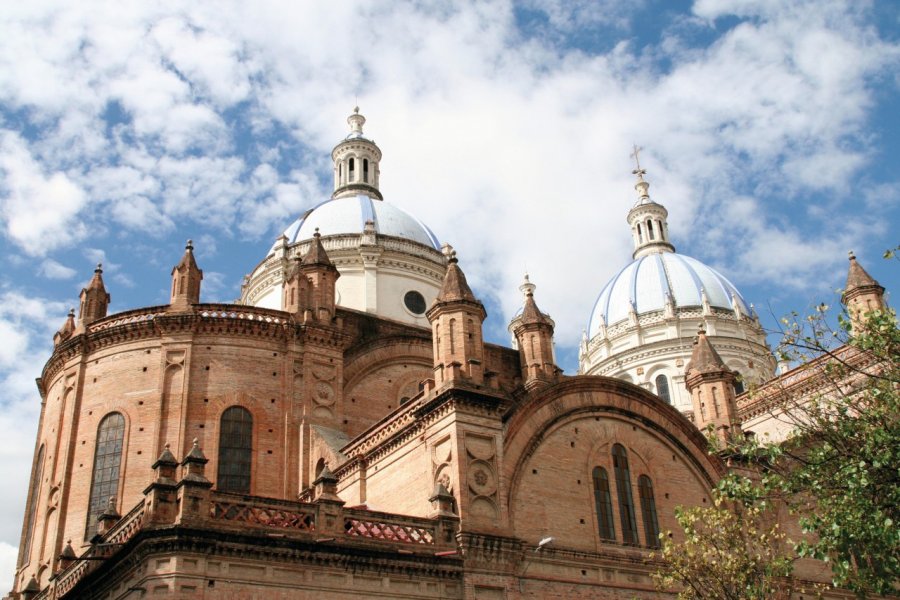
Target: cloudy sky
[[768, 127]]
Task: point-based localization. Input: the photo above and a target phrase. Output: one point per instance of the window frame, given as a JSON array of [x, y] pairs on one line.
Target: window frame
[[246, 449], [627, 515], [97, 500], [648, 510], [606, 526]]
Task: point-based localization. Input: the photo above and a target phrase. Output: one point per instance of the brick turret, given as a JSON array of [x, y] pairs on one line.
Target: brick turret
[[711, 385], [456, 318], [186, 278], [533, 331], [66, 331], [94, 300], [321, 278], [862, 294], [295, 289]]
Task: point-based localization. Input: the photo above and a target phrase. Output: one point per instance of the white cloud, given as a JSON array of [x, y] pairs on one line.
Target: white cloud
[[53, 270], [8, 555], [38, 209]]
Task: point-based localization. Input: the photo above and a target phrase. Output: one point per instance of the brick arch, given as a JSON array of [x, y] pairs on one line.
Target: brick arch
[[606, 400], [365, 358]]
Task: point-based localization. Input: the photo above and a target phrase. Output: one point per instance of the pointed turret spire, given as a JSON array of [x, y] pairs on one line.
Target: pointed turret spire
[[94, 299], [704, 358], [862, 294], [313, 280], [316, 254], [530, 311], [67, 329], [647, 218], [186, 278], [711, 385], [533, 332], [456, 323], [356, 162], [455, 286]]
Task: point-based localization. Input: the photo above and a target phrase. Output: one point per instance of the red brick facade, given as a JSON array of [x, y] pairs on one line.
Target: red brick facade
[[385, 460]]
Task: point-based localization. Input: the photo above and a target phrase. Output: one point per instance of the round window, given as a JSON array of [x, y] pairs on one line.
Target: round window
[[415, 302]]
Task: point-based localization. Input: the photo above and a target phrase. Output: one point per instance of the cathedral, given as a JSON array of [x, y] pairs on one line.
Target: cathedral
[[343, 430]]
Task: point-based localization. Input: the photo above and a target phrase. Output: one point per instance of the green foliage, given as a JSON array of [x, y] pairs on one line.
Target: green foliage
[[725, 555], [839, 471]]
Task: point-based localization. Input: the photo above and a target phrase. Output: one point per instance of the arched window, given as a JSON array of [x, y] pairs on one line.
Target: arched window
[[648, 511], [603, 503], [650, 230], [107, 459], [366, 170], [351, 169], [235, 450], [640, 235], [738, 384], [31, 515], [623, 490], [662, 389], [320, 466]]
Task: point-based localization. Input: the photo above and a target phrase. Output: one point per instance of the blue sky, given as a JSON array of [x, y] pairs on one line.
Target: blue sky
[[768, 127]]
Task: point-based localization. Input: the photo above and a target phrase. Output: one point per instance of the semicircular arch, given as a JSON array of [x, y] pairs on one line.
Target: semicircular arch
[[605, 409]]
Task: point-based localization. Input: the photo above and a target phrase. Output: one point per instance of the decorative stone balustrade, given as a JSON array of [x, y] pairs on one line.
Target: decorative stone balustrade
[[102, 547], [191, 503]]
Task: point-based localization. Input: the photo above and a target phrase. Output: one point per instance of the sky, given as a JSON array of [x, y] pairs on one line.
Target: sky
[[768, 130]]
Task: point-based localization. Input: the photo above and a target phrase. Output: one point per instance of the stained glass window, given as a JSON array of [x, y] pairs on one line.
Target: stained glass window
[[235, 450], [648, 510], [107, 460], [623, 489], [603, 503]]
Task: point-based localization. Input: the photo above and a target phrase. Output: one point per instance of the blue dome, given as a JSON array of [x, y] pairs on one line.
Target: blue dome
[[646, 281], [349, 215]]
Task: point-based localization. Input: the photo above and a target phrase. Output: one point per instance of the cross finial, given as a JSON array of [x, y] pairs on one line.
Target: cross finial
[[637, 162]]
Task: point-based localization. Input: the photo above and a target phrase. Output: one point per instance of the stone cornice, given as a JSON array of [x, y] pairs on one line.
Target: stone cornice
[[678, 346], [803, 382], [203, 319], [417, 415]]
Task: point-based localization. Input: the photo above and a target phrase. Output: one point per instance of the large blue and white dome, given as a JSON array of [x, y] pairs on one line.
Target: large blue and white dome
[[390, 263], [349, 214], [646, 284], [644, 321]]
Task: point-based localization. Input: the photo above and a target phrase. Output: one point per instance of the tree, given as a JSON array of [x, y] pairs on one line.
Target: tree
[[726, 554], [837, 471]]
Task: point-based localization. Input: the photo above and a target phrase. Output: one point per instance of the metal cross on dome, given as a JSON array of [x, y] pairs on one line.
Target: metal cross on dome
[[636, 156]]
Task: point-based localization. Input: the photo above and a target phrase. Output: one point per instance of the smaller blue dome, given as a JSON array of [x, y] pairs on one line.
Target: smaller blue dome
[[647, 281], [349, 215]]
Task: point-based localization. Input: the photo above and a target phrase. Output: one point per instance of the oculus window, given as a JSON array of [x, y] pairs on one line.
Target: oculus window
[[415, 302]]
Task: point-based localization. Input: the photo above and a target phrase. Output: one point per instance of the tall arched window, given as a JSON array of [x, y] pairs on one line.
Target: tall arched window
[[648, 511], [650, 230], [352, 166], [366, 170], [32, 503], [623, 490], [235, 450], [107, 459], [640, 235], [662, 389], [603, 503]]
